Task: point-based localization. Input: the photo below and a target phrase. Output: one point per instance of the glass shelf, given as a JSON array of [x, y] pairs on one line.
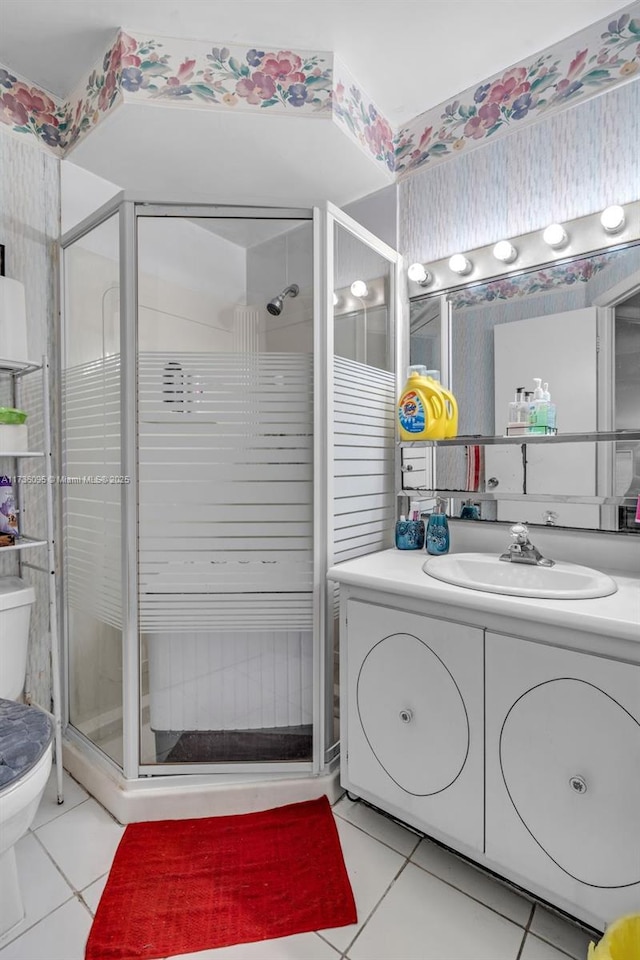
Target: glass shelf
[[18, 367], [16, 454], [481, 497], [597, 435], [23, 543]]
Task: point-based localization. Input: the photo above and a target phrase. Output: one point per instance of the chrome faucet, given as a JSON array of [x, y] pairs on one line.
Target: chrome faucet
[[522, 550]]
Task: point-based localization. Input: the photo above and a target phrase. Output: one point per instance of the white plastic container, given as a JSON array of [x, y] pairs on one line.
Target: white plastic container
[[16, 599], [13, 321], [13, 437]]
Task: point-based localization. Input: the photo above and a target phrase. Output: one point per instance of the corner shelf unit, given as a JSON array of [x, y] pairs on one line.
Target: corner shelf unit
[[16, 370]]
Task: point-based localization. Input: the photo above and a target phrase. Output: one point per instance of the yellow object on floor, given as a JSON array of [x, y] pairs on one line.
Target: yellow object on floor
[[621, 941]]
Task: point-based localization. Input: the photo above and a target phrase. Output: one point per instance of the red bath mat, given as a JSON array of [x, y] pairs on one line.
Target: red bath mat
[[179, 886]]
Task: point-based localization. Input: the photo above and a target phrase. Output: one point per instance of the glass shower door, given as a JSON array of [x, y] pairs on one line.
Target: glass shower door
[[225, 511]]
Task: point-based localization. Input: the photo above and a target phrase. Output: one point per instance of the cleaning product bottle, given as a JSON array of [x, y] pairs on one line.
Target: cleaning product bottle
[[538, 409], [438, 530], [421, 408], [551, 408], [450, 405]]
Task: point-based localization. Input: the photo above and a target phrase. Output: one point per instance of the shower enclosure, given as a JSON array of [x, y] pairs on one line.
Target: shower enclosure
[[228, 427]]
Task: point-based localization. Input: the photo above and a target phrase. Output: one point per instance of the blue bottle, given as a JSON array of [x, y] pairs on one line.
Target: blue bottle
[[438, 531], [470, 511]]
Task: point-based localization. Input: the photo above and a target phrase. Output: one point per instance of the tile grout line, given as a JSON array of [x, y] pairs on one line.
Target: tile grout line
[[75, 892], [58, 816], [384, 842], [375, 907], [475, 899], [550, 943], [526, 931], [72, 893], [488, 876], [438, 877], [33, 926]]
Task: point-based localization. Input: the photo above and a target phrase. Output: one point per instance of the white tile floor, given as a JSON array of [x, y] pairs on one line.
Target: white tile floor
[[415, 901]]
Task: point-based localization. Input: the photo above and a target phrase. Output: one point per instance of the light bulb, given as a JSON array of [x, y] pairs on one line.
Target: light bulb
[[460, 264], [418, 274], [612, 219], [505, 251], [359, 289], [555, 236], [336, 299]]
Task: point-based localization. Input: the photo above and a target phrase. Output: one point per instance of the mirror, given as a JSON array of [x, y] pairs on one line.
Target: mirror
[[576, 325]]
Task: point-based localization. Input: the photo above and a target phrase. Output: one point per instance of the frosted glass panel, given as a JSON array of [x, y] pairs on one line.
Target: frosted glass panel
[[225, 437], [92, 493]]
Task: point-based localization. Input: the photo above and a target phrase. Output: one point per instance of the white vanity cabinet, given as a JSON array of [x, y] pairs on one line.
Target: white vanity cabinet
[[412, 718], [563, 773], [508, 729]]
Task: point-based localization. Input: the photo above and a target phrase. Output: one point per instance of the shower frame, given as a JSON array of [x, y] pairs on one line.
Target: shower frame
[[130, 207]]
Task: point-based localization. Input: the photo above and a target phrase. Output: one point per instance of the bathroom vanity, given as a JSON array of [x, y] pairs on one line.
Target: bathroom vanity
[[506, 727]]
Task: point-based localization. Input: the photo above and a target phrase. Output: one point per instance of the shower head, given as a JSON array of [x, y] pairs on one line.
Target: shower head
[[275, 306]]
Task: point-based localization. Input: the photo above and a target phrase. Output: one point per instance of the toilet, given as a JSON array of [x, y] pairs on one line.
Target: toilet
[[26, 736]]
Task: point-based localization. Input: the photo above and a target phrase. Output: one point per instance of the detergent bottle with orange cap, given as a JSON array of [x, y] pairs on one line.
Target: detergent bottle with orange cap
[[421, 408], [450, 406]]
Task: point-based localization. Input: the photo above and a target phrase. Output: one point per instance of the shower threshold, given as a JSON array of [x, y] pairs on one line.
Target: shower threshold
[[191, 794]]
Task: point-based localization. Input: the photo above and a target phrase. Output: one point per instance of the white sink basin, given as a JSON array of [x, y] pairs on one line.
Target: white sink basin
[[484, 571]]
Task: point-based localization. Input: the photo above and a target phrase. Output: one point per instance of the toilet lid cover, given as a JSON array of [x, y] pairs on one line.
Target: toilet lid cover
[[25, 734]]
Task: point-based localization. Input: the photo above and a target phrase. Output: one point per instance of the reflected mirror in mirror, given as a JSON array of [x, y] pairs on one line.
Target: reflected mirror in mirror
[[576, 326]]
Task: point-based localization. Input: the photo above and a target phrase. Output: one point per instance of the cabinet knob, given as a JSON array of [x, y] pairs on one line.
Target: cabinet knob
[[492, 482], [578, 784], [406, 716]]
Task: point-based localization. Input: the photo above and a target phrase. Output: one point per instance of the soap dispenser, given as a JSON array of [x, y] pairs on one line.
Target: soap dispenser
[[438, 530]]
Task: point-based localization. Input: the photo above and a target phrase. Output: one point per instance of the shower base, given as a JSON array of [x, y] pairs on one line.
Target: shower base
[[175, 797], [234, 746]]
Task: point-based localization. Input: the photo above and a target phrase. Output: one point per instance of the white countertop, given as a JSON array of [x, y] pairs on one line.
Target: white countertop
[[400, 572]]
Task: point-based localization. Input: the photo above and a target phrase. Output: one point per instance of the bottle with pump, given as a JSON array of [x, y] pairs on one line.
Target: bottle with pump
[[450, 405], [551, 409], [518, 414], [421, 408], [470, 511], [438, 531], [539, 410]]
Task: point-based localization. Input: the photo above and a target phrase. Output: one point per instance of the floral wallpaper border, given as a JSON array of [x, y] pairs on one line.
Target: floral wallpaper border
[[523, 285], [160, 70], [56, 124], [360, 117], [315, 84], [230, 78], [602, 55]]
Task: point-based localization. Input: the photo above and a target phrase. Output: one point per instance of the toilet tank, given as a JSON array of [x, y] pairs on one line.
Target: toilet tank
[[16, 599]]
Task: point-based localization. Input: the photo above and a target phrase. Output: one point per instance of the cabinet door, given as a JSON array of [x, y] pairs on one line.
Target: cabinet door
[[563, 773], [413, 718]]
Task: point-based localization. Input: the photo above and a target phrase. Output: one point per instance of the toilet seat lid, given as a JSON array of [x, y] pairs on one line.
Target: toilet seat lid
[[25, 734]]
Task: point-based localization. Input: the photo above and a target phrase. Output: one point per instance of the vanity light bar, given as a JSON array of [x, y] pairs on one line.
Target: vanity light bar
[[616, 226]]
